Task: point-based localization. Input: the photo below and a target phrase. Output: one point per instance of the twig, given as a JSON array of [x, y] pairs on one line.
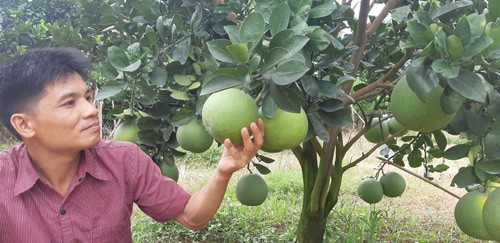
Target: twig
[[418, 176]]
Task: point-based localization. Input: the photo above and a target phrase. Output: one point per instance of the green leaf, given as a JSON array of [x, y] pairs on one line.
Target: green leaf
[[252, 29], [415, 158], [268, 106], [494, 8], [239, 52], [108, 71], [323, 10], [109, 91], [490, 167], [180, 95], [492, 145], [465, 177], [288, 40], [436, 152], [288, 72], [119, 59], [279, 18], [196, 18], [331, 105], [450, 8], [329, 90], [440, 138], [310, 85], [422, 79], [233, 31], [441, 168], [469, 85], [463, 30], [440, 42], [419, 32], [218, 49], [477, 23], [285, 98], [184, 80], [457, 152], [181, 52], [319, 128], [264, 159], [477, 47], [275, 56], [444, 68], [339, 118], [220, 82], [158, 76], [262, 169]]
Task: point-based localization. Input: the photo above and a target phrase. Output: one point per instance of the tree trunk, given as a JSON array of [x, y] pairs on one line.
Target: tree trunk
[[318, 199]]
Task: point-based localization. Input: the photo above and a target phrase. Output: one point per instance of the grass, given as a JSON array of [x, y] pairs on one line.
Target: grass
[[422, 214]]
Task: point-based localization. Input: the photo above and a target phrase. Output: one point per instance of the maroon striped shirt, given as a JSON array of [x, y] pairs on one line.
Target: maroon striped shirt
[[98, 204]]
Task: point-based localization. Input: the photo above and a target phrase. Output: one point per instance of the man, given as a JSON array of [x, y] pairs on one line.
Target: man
[[65, 184]]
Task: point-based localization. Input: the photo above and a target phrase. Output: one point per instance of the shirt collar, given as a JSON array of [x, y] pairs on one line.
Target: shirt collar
[[28, 176]]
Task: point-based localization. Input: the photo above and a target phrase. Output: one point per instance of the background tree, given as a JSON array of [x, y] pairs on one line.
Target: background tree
[[158, 61]]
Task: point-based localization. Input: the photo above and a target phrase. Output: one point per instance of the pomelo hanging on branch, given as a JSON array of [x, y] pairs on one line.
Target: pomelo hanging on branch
[[226, 112], [415, 114]]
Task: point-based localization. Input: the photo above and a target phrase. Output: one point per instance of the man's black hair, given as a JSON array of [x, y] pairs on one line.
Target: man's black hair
[[23, 78]]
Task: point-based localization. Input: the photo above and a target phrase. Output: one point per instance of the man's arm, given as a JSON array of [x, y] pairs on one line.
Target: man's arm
[[203, 205]]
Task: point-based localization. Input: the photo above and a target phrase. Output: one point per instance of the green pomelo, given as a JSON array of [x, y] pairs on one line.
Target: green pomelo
[[226, 112], [251, 189], [170, 171], [416, 115], [491, 215], [378, 132], [285, 130], [126, 131], [193, 137], [370, 190], [395, 126], [393, 184], [469, 214]]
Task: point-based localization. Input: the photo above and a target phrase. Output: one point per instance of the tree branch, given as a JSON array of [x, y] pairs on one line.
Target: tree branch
[[379, 82], [391, 4], [418, 176]]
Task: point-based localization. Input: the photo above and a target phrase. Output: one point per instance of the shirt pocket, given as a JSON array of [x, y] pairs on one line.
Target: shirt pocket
[[118, 233]]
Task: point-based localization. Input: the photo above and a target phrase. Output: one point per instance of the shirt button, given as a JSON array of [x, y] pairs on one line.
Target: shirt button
[[62, 211]]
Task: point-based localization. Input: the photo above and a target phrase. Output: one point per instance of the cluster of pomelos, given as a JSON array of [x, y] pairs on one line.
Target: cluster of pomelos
[[410, 113], [390, 184], [477, 213]]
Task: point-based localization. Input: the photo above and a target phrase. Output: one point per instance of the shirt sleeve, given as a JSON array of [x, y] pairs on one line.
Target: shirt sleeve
[[156, 195]]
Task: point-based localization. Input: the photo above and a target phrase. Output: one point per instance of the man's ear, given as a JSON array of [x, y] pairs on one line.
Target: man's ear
[[23, 125]]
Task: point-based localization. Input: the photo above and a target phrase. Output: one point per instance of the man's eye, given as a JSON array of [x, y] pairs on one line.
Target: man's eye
[[90, 98], [69, 103]]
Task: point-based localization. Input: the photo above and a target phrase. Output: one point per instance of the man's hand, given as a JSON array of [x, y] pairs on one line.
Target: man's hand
[[235, 157], [203, 205]]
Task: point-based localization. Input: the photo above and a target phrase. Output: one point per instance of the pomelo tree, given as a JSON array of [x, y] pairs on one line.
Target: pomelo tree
[[158, 62]]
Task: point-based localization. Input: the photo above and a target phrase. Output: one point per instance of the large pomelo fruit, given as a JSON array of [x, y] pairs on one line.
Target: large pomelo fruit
[[226, 112], [378, 132], [126, 131], [491, 215], [416, 115], [193, 137], [285, 130], [469, 214], [370, 190], [251, 189], [393, 184]]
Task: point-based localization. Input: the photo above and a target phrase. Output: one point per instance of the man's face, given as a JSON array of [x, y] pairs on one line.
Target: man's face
[[65, 118]]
